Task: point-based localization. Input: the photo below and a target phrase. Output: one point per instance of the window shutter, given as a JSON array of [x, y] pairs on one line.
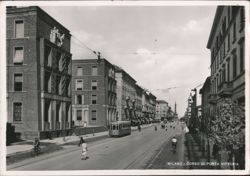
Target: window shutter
[[18, 55], [19, 29]]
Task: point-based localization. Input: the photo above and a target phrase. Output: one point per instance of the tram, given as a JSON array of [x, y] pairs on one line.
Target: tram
[[120, 128]]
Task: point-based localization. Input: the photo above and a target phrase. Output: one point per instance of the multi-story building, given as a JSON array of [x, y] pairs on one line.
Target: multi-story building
[[126, 94], [138, 102], [38, 73], [152, 106], [161, 109], [205, 106], [227, 45], [148, 105], [93, 92]]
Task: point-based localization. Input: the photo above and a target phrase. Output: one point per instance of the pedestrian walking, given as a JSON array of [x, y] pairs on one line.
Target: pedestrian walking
[[155, 128], [139, 127], [83, 144]]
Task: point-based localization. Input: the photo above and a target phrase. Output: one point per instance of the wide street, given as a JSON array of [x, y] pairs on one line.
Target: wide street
[[148, 149]]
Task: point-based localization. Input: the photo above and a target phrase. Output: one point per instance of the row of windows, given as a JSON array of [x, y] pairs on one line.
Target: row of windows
[[56, 84], [61, 85], [79, 99], [18, 108], [219, 48], [80, 118], [79, 84], [225, 72], [94, 71], [55, 59]]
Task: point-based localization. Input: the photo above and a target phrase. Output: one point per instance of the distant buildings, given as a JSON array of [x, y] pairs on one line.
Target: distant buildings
[[126, 94], [48, 94], [227, 45], [205, 105], [161, 110], [138, 101], [148, 105], [38, 73], [93, 92]]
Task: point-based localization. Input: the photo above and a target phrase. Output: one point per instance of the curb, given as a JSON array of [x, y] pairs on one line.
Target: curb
[[20, 156]]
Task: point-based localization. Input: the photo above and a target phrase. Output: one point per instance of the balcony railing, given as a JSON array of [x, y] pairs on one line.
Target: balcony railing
[[225, 89]]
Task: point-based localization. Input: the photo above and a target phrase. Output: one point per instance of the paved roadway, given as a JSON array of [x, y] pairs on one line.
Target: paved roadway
[[140, 150]]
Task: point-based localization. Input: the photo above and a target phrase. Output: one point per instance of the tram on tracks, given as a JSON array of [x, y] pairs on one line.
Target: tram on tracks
[[120, 128]]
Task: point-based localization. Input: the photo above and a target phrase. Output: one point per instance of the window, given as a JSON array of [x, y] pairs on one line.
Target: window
[[93, 115], [228, 69], [234, 10], [224, 26], [228, 41], [79, 71], [18, 55], [234, 31], [242, 16], [223, 74], [79, 99], [47, 56], [47, 110], [79, 84], [47, 81], [94, 99], [68, 111], [18, 82], [94, 70], [94, 84], [241, 56], [58, 84], [19, 29], [229, 14], [57, 61], [234, 65], [58, 106], [17, 111], [79, 115]]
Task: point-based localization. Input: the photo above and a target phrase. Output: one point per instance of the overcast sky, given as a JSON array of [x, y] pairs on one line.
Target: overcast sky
[[160, 46]]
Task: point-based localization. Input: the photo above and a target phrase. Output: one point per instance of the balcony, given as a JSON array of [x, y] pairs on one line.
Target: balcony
[[212, 98], [225, 89]]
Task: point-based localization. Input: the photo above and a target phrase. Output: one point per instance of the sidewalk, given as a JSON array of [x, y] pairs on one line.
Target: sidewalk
[[193, 155], [22, 150]]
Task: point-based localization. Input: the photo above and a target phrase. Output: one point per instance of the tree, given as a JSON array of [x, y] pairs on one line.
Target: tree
[[228, 128]]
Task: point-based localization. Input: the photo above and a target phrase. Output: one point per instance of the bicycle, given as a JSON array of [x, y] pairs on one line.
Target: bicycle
[[35, 151]]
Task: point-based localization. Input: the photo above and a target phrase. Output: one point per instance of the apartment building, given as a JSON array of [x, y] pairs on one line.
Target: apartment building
[[38, 73]]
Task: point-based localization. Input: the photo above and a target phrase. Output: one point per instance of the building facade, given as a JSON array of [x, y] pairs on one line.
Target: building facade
[[227, 45], [148, 106], [205, 105], [93, 92], [138, 102], [126, 94], [161, 109], [38, 73]]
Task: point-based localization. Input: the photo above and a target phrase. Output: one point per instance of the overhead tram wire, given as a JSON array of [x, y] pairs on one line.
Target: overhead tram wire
[[83, 44]]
